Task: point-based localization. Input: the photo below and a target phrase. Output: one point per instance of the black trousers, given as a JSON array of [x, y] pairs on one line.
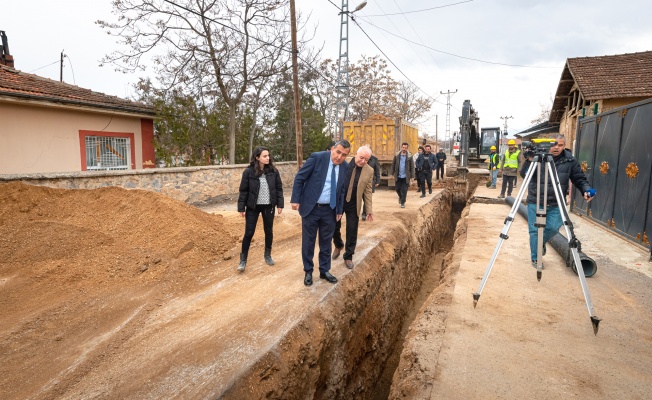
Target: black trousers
[[352, 222], [440, 166], [401, 189], [428, 177], [251, 220], [321, 220], [508, 182], [421, 181]]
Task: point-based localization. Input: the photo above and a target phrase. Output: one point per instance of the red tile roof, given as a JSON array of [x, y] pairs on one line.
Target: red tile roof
[[613, 77], [15, 83], [604, 77]]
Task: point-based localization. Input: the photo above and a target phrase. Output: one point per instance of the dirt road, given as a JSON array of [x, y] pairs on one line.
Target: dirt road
[[529, 339], [127, 294]]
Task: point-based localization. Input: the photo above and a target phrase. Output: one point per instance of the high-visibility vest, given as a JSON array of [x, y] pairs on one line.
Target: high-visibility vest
[[494, 161], [511, 160]]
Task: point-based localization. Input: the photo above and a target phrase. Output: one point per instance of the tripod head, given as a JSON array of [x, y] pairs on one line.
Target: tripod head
[[538, 147]]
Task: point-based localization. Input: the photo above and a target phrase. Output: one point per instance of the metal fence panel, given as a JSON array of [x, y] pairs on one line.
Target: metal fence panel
[[620, 171], [605, 167], [585, 156], [633, 175]]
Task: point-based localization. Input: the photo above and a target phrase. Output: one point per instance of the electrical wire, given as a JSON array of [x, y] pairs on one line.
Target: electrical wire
[[416, 11], [453, 54], [71, 68], [392, 62], [34, 70]]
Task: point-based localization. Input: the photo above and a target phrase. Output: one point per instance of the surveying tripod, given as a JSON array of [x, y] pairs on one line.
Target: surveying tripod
[[543, 161]]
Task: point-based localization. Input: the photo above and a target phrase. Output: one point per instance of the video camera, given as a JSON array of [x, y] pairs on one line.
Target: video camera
[[537, 146]]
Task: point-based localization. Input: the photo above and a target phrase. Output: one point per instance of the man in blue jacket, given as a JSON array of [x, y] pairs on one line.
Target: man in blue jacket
[[318, 194]]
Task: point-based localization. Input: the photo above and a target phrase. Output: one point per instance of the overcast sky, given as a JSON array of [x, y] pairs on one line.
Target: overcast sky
[[538, 35]]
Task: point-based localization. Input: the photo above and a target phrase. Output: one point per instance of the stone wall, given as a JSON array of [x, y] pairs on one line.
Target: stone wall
[[192, 185]]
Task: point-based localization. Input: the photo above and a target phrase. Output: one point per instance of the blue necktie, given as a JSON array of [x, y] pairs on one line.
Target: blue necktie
[[333, 188]]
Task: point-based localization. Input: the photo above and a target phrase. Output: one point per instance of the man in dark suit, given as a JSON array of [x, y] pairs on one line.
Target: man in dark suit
[[318, 194]]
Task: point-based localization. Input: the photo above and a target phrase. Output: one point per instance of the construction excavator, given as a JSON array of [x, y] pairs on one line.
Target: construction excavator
[[475, 143]]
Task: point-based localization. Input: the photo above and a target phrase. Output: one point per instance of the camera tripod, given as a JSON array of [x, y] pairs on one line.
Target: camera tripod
[[545, 162]]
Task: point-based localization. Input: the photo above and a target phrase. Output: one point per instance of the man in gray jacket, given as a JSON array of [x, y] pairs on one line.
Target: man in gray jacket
[[403, 172]]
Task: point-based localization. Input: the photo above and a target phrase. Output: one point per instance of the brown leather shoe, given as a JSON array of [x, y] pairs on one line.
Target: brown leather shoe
[[349, 264], [336, 252]]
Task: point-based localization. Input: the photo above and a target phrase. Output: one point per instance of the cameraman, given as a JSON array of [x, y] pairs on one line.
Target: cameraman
[[567, 169]]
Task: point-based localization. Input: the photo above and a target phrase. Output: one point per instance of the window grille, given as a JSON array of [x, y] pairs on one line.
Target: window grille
[[107, 153]]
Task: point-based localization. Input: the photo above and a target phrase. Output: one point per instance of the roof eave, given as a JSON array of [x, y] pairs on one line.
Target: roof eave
[[45, 100]]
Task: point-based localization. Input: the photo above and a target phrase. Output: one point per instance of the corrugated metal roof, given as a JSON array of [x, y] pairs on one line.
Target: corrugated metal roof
[[538, 129], [15, 83]]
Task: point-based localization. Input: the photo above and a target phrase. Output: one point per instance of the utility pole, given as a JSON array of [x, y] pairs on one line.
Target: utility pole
[[448, 114], [342, 85], [295, 83], [502, 145], [61, 67], [437, 131]]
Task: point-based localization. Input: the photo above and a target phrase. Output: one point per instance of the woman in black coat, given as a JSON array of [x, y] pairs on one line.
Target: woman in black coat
[[261, 190]]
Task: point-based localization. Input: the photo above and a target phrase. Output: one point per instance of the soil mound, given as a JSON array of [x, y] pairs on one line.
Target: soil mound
[[108, 233]]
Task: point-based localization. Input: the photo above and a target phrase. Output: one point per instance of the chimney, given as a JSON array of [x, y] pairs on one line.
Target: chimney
[[5, 57]]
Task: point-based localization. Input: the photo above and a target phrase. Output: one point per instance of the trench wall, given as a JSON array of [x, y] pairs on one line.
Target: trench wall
[[188, 184], [414, 375], [338, 350]]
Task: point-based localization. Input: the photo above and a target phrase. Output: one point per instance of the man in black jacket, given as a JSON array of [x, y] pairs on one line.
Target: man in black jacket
[[375, 164], [441, 157], [568, 169], [429, 166]]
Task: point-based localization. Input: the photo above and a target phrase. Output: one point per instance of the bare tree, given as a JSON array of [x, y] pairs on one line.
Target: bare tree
[[410, 105], [544, 112], [372, 89], [321, 85], [223, 46]]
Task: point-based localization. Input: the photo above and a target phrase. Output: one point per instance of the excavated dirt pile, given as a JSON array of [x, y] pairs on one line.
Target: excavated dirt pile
[[66, 256], [106, 236]]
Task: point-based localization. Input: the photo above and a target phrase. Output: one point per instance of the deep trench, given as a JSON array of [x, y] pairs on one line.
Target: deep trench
[[350, 345], [430, 282]]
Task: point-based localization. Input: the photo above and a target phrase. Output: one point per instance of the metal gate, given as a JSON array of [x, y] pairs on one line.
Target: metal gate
[[615, 151]]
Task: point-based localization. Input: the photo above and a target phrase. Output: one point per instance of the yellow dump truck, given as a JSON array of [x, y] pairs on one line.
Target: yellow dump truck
[[384, 136]]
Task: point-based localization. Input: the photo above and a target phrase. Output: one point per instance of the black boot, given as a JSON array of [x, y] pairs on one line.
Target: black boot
[[243, 262], [268, 256]]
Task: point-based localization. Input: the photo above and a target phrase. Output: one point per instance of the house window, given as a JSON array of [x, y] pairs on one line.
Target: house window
[[107, 153]]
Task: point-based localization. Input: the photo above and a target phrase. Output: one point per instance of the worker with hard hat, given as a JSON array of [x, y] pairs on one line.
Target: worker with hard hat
[[510, 164], [494, 166]]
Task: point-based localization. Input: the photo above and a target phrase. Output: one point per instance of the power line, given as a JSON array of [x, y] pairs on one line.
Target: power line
[[453, 54], [34, 70], [391, 62], [416, 11]]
